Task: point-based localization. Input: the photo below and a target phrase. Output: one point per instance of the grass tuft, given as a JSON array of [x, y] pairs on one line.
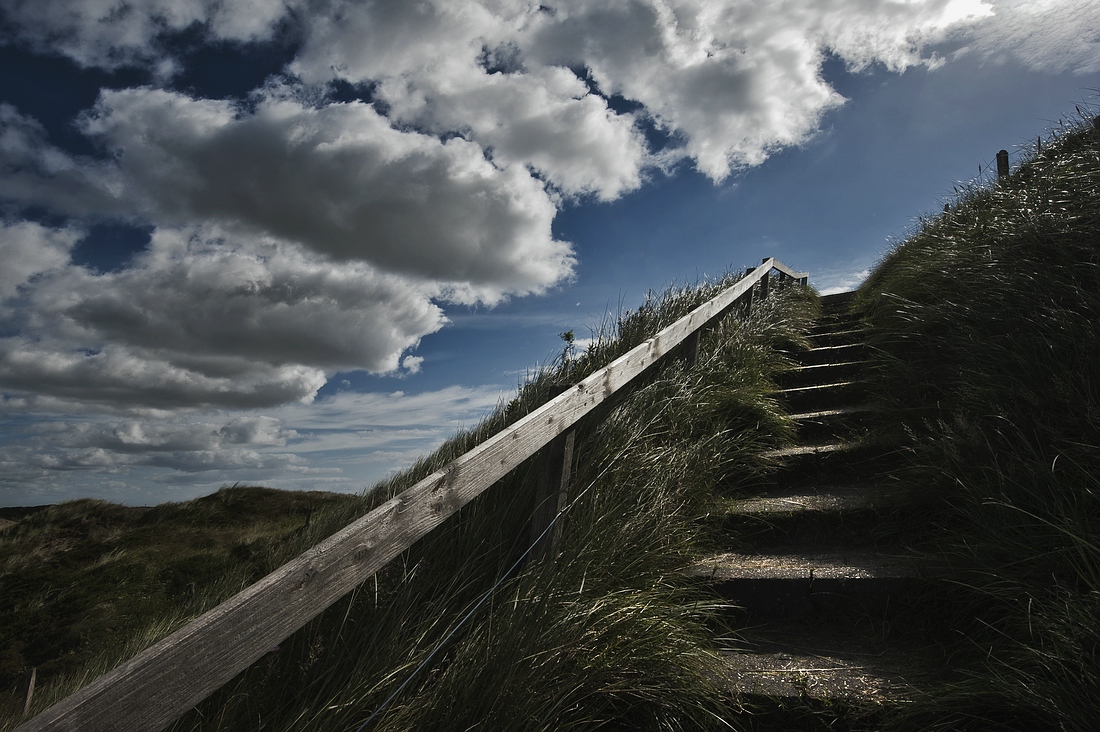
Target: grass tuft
[[985, 324]]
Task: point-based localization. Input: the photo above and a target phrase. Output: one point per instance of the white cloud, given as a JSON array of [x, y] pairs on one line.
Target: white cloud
[[28, 249], [109, 33], [544, 118], [32, 171], [736, 80], [339, 180], [346, 442], [204, 321], [1051, 36], [830, 283], [294, 237]]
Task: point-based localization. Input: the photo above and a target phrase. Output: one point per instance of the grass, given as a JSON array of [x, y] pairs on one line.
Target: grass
[[988, 346], [984, 327], [606, 634], [83, 579]]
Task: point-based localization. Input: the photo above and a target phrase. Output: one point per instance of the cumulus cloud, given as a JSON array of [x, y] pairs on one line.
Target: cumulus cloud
[[201, 320], [110, 447], [340, 180], [344, 442], [1044, 35], [28, 249], [32, 171], [295, 237], [109, 33]]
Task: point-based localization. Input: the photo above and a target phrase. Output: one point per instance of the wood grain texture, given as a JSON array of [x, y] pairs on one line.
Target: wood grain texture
[[152, 689]]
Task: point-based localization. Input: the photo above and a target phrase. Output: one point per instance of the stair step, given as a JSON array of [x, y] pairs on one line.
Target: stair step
[[821, 373], [772, 586], [840, 336], [826, 424], [828, 499], [831, 354], [842, 566], [830, 413], [822, 397], [798, 660], [837, 300], [799, 451]]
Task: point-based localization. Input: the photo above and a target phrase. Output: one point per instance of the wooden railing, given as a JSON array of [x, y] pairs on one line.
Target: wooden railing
[[151, 690]]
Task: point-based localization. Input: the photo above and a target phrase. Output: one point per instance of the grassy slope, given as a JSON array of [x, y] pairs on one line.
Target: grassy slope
[[985, 322], [608, 633], [988, 325], [79, 578]]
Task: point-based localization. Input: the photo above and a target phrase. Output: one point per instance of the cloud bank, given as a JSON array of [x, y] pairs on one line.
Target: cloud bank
[[408, 156]]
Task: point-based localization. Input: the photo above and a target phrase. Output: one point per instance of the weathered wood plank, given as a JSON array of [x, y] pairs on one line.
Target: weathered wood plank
[[152, 689]]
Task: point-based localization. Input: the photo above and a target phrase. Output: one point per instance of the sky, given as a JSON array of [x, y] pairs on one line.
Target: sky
[[298, 243]]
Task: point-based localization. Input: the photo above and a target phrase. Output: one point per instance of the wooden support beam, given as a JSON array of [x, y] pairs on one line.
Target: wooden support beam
[[28, 690], [551, 497], [691, 348]]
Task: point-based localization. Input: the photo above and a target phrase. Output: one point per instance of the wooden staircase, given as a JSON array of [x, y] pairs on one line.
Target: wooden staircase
[[816, 569]]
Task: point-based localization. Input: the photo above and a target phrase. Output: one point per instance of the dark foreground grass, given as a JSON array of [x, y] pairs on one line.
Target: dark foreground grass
[[82, 580], [608, 634], [987, 323]]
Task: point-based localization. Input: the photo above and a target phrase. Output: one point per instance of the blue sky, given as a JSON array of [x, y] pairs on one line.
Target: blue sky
[[298, 243]]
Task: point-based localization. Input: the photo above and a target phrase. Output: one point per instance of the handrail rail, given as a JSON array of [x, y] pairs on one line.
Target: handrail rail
[[152, 689]]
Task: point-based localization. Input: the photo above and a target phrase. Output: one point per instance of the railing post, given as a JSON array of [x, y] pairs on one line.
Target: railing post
[[747, 297], [1096, 127], [1002, 164], [764, 283], [28, 690], [691, 348], [551, 497]]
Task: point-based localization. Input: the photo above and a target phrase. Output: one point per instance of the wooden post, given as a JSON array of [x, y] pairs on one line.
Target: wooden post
[[1002, 164], [746, 299], [551, 497], [28, 690], [764, 283], [691, 348]]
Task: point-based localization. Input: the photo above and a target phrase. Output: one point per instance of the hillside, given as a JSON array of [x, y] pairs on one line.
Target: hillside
[[985, 324], [985, 360], [87, 582]]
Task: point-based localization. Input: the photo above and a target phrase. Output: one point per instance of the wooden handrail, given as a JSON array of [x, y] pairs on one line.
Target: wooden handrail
[[155, 687]]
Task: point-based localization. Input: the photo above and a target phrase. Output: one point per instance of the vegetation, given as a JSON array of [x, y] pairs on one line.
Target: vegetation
[[988, 352], [88, 583], [986, 325], [606, 633]]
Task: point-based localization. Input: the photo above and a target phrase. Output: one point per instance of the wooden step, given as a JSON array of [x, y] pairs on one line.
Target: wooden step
[[851, 565], [822, 397], [838, 301], [827, 424], [822, 373], [799, 660], [799, 451], [772, 586], [843, 335], [829, 499], [830, 354]]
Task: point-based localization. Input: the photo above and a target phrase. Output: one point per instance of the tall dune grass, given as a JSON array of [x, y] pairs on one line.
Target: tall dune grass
[[606, 634], [987, 324]]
